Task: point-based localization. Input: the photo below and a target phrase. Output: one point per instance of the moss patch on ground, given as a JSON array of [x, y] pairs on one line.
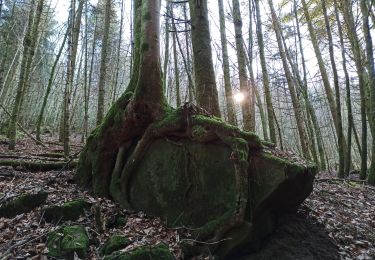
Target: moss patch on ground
[[114, 243], [63, 242]]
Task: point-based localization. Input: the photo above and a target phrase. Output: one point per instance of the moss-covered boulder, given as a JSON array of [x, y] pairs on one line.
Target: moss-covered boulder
[[70, 210], [22, 204], [194, 170], [114, 243], [64, 242], [158, 252]]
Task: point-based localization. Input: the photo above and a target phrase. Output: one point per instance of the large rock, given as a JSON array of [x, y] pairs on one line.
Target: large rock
[[194, 170], [193, 184]]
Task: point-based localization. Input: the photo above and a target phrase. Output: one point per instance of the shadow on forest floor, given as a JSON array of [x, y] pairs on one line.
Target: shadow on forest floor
[[298, 237]]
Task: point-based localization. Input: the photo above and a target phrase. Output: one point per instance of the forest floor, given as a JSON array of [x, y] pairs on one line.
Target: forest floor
[[337, 221]]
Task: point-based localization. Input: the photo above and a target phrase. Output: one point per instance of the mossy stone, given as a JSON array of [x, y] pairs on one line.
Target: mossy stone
[[70, 210], [197, 179], [114, 243], [159, 252], [22, 204], [65, 241]]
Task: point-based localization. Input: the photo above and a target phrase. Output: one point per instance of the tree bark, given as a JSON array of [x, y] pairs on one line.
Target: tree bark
[[29, 44], [348, 155], [49, 86], [371, 82], [354, 41], [175, 61], [103, 63], [205, 83], [266, 80], [246, 90], [340, 134], [291, 85], [227, 84]]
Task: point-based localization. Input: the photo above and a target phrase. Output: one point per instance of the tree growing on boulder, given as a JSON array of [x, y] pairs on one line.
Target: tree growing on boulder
[[185, 165]]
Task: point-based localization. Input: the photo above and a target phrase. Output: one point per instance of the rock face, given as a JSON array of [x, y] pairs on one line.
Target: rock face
[[193, 184]]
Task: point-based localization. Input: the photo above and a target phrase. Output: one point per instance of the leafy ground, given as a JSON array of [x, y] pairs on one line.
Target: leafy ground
[[336, 221]]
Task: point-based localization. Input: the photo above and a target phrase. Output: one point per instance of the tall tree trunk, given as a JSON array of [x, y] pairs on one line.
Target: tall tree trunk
[[348, 155], [188, 56], [175, 60], [166, 50], [354, 41], [227, 84], [86, 87], [253, 86], [118, 53], [322, 68], [73, 39], [241, 59], [340, 134], [291, 85], [207, 96], [103, 63], [29, 44], [371, 82], [266, 80], [49, 86], [304, 89]]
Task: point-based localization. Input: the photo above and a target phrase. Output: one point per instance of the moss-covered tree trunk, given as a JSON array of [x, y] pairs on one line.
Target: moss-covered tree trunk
[[29, 45], [134, 111], [205, 84]]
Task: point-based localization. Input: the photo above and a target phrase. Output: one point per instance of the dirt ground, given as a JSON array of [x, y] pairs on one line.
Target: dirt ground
[[337, 221]]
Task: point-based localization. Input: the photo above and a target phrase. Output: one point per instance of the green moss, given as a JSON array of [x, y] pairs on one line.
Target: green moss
[[22, 204], [114, 243], [65, 241], [296, 167], [71, 210], [171, 116], [159, 252], [198, 130], [220, 127]]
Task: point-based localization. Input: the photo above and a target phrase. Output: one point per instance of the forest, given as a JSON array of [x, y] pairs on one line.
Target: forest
[[187, 129]]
